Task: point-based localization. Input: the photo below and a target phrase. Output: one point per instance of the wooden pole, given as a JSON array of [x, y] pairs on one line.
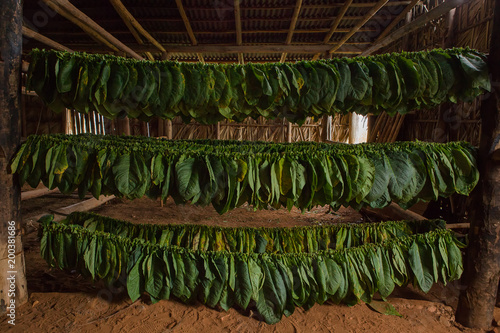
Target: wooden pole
[[13, 286], [132, 23], [482, 273], [42, 39], [66, 9]]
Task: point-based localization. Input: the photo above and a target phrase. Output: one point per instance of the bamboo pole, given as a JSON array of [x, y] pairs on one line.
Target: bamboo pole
[[13, 286]]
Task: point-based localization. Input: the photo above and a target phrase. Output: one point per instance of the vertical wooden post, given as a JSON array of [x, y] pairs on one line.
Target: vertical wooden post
[[289, 131], [217, 131], [477, 301], [13, 288], [169, 130]]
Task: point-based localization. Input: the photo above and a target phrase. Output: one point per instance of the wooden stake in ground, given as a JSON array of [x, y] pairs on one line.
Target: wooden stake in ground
[[13, 289], [477, 301]]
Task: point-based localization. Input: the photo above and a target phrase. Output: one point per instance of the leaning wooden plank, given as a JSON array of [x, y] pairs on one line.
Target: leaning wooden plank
[[393, 212], [37, 193], [84, 205]]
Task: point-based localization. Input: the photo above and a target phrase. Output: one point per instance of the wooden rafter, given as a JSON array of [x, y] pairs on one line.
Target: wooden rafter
[[358, 25], [135, 27], [416, 24], [27, 32], [335, 24], [237, 21], [188, 27], [398, 19], [293, 23], [66, 9]]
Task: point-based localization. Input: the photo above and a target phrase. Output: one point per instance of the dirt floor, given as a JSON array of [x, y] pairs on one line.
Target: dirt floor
[[65, 302]]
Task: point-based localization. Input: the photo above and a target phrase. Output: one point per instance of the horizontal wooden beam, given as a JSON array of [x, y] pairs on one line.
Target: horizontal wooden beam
[[326, 5], [215, 48], [27, 32], [416, 24], [105, 20]]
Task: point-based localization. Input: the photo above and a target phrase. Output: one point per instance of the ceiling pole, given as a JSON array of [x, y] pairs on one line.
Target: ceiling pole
[[135, 27], [188, 28], [27, 32], [73, 14], [414, 25], [398, 19], [293, 24], [362, 22], [335, 25], [237, 21]]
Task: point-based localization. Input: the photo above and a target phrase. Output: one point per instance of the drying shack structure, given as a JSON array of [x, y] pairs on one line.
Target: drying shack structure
[[242, 32]]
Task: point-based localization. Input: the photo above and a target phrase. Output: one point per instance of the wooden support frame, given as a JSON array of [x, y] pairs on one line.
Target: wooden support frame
[[239, 38], [358, 25], [293, 24], [414, 25], [335, 25], [190, 32], [66, 9], [27, 32]]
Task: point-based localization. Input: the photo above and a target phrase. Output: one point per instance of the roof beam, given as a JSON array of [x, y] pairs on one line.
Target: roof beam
[[135, 27], [72, 13], [358, 25], [398, 19], [27, 32], [225, 32], [243, 19], [416, 24], [224, 48], [335, 25], [237, 21], [188, 27], [293, 23]]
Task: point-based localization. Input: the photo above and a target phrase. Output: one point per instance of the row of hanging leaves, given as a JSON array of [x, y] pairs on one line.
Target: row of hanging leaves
[[208, 93], [277, 283], [255, 240], [228, 174]]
